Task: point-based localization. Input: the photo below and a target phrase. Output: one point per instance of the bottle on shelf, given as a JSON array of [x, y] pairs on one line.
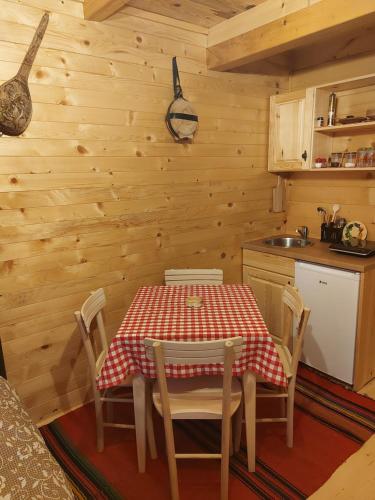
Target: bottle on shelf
[[332, 110]]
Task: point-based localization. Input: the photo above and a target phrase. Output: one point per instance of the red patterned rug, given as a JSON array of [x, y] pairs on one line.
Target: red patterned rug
[[330, 424]]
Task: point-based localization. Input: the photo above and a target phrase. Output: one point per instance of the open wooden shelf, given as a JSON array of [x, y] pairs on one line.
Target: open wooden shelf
[[329, 169], [340, 169], [350, 128]]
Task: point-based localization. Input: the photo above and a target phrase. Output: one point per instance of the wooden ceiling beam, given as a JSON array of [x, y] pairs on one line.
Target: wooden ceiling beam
[[318, 22], [99, 10], [262, 13], [342, 47]]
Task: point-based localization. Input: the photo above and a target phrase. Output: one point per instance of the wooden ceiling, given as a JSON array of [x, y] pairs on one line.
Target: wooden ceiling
[[206, 13], [260, 36]]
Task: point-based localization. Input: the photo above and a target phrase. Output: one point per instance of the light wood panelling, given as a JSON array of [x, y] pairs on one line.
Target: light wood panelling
[[365, 340], [354, 191], [97, 194], [98, 10], [200, 12]]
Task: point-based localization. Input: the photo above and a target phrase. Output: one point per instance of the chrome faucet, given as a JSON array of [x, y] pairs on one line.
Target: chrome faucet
[[303, 231]]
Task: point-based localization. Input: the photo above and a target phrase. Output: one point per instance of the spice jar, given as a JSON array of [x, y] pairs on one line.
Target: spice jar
[[361, 158], [319, 121], [349, 159], [336, 159], [370, 157]]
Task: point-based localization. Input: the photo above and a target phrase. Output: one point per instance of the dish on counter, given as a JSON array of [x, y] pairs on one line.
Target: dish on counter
[[354, 230]]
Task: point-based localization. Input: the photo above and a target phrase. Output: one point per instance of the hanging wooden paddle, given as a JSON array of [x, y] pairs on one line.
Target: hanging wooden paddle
[[15, 100]]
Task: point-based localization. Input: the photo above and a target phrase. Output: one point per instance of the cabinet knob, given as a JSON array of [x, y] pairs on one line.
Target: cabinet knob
[[304, 155]]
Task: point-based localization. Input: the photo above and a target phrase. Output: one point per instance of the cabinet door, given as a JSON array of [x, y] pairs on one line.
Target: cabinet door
[[290, 131], [268, 288]]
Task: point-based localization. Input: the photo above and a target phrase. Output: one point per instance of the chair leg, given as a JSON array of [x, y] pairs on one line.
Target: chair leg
[[139, 395], [289, 422], [249, 389], [237, 424], [171, 454], [150, 424], [99, 423], [225, 452]]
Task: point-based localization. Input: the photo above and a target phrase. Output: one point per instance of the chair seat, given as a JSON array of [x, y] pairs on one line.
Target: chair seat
[[197, 397]]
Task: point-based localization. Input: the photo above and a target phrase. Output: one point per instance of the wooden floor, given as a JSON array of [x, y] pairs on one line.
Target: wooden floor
[[355, 478], [369, 390]]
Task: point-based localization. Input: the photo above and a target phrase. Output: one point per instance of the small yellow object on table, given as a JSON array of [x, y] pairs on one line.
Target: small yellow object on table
[[194, 301]]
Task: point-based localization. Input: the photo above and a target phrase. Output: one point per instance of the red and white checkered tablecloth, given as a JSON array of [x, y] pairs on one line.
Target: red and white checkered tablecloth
[[160, 312]]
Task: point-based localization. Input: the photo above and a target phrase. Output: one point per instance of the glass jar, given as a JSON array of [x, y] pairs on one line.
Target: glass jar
[[370, 157], [336, 159], [349, 159], [362, 157], [319, 121]]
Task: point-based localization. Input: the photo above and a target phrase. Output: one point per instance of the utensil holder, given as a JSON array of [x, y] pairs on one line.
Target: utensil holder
[[330, 233]]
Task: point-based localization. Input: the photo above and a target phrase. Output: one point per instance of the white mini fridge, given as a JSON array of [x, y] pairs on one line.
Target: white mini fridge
[[332, 295]]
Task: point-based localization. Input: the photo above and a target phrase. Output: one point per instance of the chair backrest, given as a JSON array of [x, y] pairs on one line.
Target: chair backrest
[[193, 353], [224, 351], [193, 276], [294, 313], [90, 310]]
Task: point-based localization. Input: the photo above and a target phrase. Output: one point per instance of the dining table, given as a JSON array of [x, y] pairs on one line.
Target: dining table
[[162, 313]]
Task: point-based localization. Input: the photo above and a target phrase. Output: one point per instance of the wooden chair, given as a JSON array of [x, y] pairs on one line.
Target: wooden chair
[[293, 310], [209, 397], [96, 350], [193, 276]]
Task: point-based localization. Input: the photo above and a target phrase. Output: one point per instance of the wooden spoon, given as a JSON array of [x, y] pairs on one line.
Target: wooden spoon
[[323, 212], [15, 100], [335, 209]]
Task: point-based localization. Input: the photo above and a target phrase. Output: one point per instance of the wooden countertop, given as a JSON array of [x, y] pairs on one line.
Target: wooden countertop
[[317, 253]]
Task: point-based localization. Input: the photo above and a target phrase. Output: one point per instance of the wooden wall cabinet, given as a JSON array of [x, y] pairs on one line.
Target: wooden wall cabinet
[[294, 139], [291, 119], [267, 275]]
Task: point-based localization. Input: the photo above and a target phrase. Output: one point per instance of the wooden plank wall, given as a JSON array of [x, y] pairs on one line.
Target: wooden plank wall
[[97, 194], [354, 191]]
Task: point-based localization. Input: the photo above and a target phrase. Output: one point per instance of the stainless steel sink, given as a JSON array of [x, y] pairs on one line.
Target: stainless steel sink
[[288, 242]]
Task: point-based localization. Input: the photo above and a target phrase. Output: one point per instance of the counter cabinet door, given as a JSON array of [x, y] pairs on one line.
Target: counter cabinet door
[[268, 288], [290, 131]]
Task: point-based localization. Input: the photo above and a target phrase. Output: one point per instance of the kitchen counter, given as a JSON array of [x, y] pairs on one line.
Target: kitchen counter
[[317, 253]]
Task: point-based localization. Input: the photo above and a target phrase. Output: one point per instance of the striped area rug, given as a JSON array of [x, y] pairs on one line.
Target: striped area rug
[[85, 480], [331, 423]]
